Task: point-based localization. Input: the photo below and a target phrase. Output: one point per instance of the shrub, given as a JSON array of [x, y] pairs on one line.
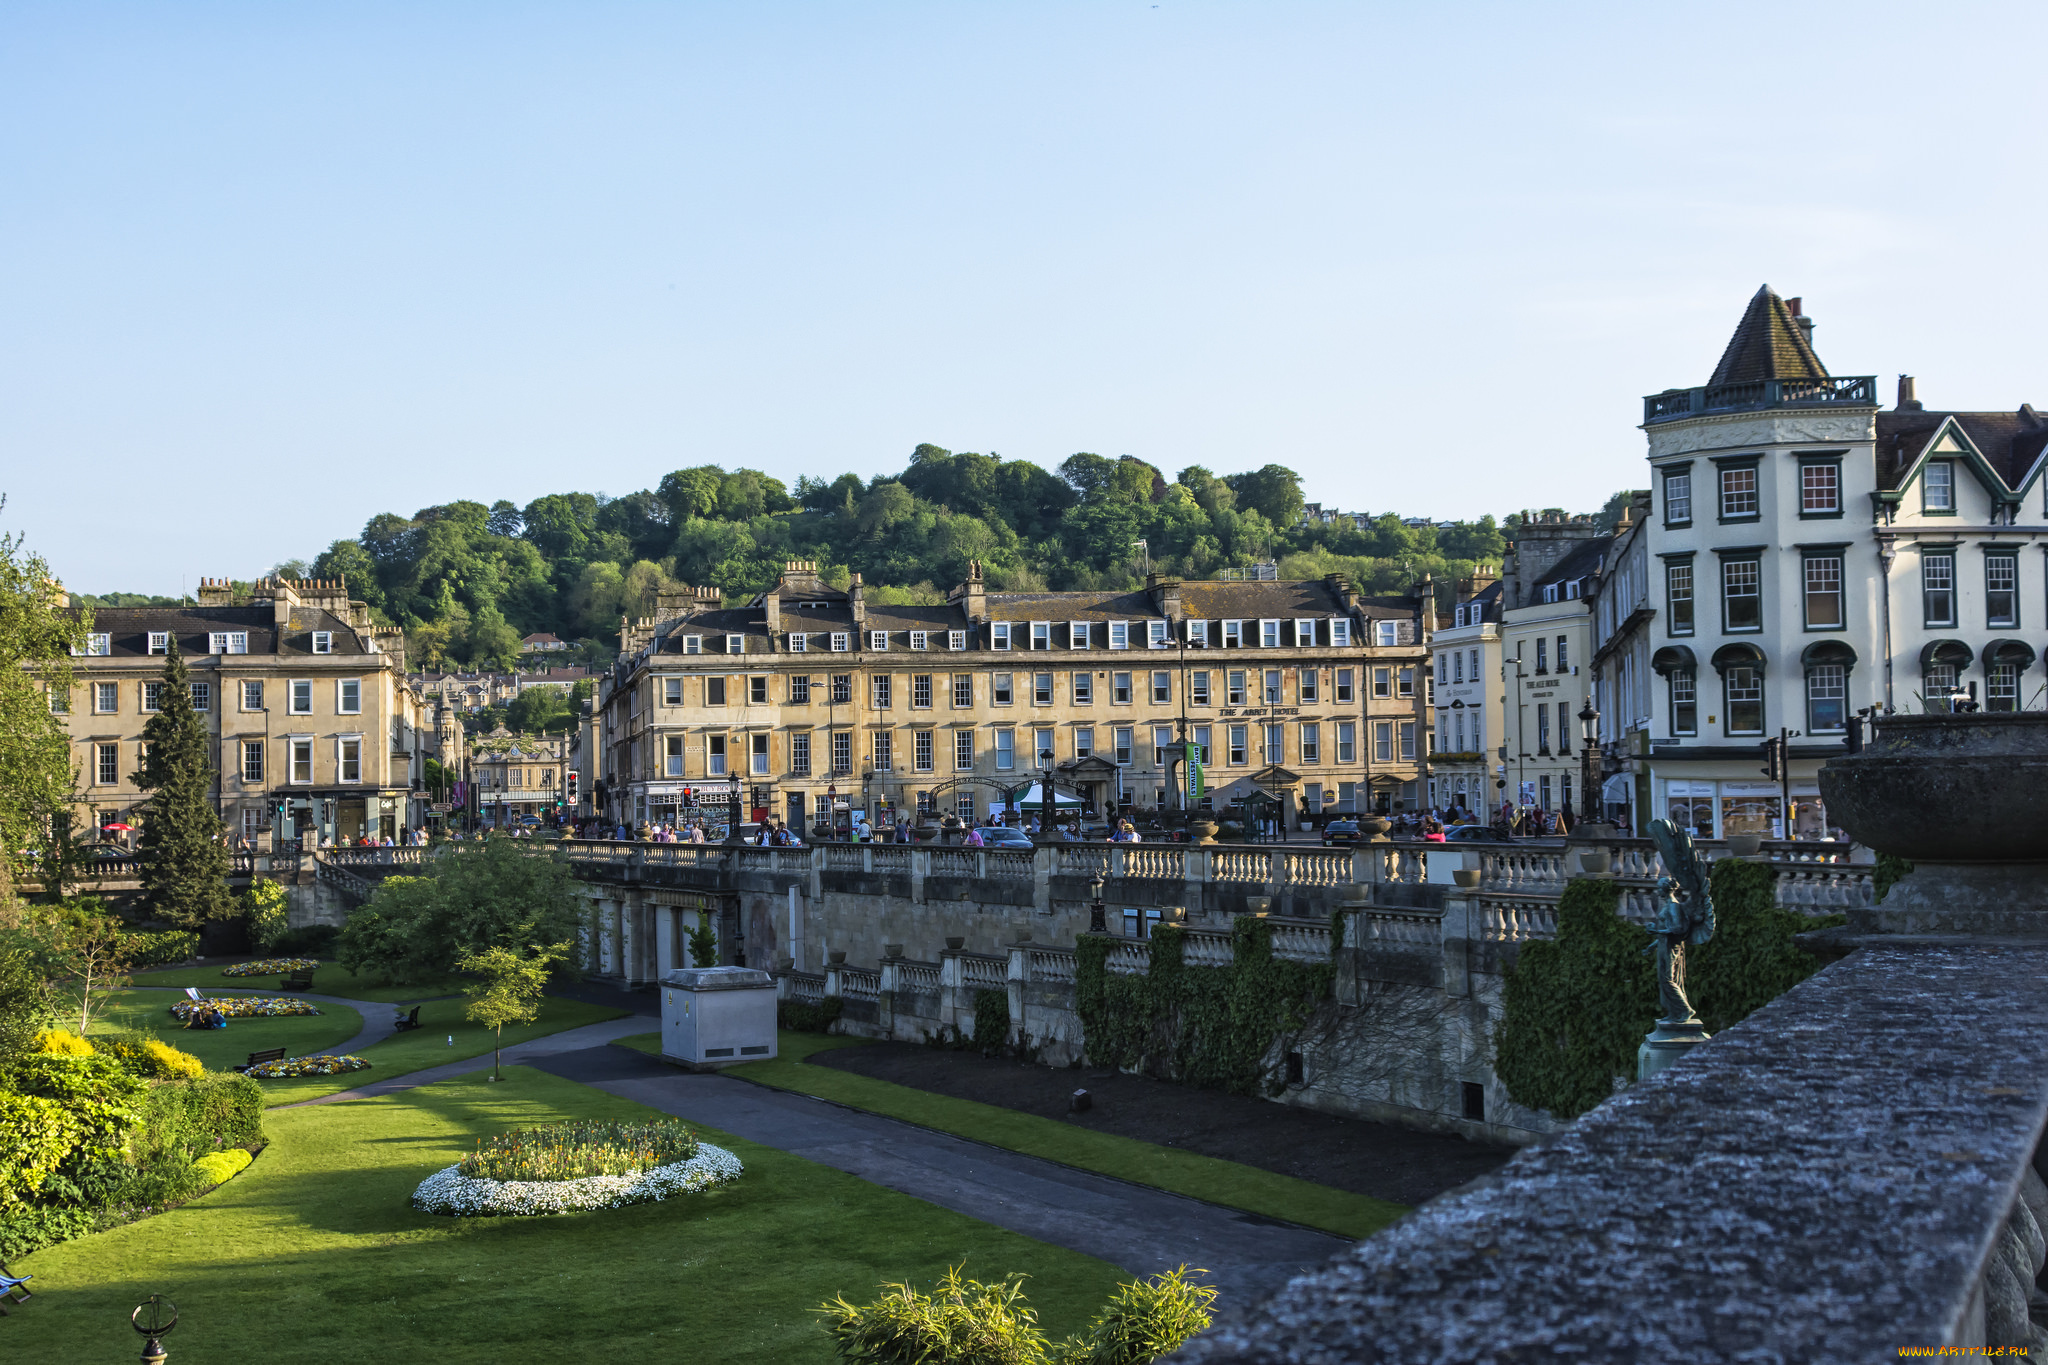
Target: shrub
[[313, 940], [272, 966], [60, 1042], [36, 1134], [1751, 960], [205, 1114], [265, 900], [991, 1020], [808, 1016], [24, 1229], [1143, 1320], [153, 1058], [160, 950], [217, 1168]]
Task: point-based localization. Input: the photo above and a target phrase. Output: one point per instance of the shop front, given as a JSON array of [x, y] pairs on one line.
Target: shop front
[[1716, 808]]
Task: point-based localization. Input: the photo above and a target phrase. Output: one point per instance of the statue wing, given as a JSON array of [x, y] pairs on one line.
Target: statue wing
[[1674, 846]]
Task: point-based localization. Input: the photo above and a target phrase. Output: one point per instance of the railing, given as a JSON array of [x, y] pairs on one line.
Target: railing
[[884, 859], [1323, 867], [982, 973], [1512, 919], [1010, 867], [954, 862], [1131, 957], [916, 976], [1087, 861], [805, 986], [1205, 948], [1167, 864], [1301, 940], [1759, 393], [372, 857], [843, 857], [1052, 966], [1415, 927], [1239, 865], [859, 983]]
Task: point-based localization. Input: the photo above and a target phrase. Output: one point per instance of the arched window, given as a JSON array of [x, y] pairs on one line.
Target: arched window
[[1827, 664], [1742, 688], [1941, 673], [1680, 671], [2004, 662]]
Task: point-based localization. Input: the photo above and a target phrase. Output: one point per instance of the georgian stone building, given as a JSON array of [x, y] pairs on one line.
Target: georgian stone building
[[1817, 555], [516, 776], [314, 730], [1302, 694], [1468, 698]]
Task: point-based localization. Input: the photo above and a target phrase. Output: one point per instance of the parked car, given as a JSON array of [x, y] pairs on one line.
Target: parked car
[[1340, 832], [1005, 836], [1475, 834]]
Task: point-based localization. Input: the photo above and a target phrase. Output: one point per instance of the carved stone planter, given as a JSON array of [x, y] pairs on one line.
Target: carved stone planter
[[1467, 877], [1745, 845], [956, 943], [1202, 831], [1965, 798], [1373, 828], [1596, 862]]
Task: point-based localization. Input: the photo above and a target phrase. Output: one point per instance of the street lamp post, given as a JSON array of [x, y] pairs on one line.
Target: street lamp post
[[1589, 762], [1045, 794], [1097, 924]]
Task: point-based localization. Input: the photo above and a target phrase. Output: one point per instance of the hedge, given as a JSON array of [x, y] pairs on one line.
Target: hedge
[[160, 950]]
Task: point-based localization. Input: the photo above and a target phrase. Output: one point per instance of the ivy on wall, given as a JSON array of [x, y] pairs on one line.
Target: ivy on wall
[[991, 1021], [1890, 869], [1576, 1008], [1204, 1026]]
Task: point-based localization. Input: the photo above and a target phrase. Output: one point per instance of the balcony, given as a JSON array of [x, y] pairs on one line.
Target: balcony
[[1837, 391]]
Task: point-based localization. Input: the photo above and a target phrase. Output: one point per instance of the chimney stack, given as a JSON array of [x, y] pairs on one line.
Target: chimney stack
[[857, 598], [1909, 398], [1792, 306]]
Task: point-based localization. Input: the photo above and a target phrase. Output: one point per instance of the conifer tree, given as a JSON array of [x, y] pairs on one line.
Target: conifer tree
[[185, 861]]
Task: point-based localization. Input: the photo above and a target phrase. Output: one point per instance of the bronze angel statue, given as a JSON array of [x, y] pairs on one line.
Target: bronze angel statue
[[1685, 919]]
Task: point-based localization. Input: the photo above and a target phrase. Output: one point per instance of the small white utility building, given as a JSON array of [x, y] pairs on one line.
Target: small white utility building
[[717, 1016]]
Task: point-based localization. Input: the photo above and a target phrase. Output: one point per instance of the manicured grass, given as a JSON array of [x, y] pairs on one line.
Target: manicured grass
[[331, 978], [1229, 1183], [314, 1254], [428, 1045], [219, 1049]]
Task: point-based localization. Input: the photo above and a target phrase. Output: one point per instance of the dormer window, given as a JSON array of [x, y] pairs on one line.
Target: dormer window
[[799, 642], [1158, 634], [1386, 633], [1550, 592], [693, 644], [999, 635], [841, 641], [1269, 635], [1340, 632], [1041, 635], [735, 644], [1119, 634], [1233, 634], [160, 642], [228, 642], [97, 645], [1937, 489], [1078, 635], [323, 642], [1304, 631], [878, 640], [1197, 632], [956, 639], [919, 639]]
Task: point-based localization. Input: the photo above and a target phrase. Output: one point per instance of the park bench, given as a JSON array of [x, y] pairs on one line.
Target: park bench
[[302, 982], [269, 1054], [406, 1021], [11, 1285]]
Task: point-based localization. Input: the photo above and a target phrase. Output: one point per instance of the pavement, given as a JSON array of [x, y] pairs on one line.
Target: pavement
[[588, 1037], [1143, 1230]]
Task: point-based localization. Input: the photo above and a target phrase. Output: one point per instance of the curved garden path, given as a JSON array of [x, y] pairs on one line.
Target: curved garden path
[[380, 1020]]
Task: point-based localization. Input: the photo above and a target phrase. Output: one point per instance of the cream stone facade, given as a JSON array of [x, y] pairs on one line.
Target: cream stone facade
[[314, 731], [516, 776], [1467, 700], [810, 703]]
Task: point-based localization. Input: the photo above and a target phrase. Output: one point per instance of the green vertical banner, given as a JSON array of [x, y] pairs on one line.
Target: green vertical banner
[[1192, 756]]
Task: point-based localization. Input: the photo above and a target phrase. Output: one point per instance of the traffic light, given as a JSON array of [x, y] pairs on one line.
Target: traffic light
[[573, 775], [1774, 759]]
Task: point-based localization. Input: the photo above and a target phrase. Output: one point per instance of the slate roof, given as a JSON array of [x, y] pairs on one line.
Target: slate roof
[[1768, 344], [129, 629], [1582, 562], [2010, 442]]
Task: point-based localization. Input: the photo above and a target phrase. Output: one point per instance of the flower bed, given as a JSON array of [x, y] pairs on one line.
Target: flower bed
[[579, 1148], [272, 966], [244, 1006], [326, 1064], [449, 1191]]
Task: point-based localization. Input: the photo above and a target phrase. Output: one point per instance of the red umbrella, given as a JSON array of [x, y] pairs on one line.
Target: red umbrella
[[116, 825]]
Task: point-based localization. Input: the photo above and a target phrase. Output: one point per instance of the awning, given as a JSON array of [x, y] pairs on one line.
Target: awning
[[1828, 652], [1614, 791], [1033, 798], [1946, 652], [1673, 657], [1738, 655], [2018, 653]]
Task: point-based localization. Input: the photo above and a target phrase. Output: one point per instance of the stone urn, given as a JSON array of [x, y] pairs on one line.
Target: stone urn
[[1596, 862], [1965, 799], [1202, 831], [956, 942], [1372, 829], [1466, 877], [836, 957], [1745, 845], [892, 951]]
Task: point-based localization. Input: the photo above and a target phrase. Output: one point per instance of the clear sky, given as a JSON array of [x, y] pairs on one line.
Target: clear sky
[[271, 269]]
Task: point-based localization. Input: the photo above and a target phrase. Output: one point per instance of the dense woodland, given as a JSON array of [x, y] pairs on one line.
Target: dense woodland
[[467, 580]]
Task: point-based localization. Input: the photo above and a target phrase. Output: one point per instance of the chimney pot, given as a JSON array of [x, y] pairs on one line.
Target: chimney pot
[[1792, 307], [1909, 397]]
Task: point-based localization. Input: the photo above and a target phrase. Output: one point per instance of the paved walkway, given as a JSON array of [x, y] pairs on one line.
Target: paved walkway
[[585, 1038], [1138, 1228]]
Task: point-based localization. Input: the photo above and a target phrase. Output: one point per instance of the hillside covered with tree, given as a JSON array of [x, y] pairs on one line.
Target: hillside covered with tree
[[467, 580]]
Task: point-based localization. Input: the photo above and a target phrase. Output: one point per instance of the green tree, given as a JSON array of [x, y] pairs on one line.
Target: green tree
[[37, 635], [501, 893], [184, 853], [537, 710], [510, 992], [1273, 491]]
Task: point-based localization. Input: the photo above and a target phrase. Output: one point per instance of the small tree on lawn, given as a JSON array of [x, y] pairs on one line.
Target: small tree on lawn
[[510, 990], [89, 944], [185, 860]]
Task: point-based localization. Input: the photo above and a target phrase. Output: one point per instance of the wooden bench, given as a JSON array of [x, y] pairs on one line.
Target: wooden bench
[[409, 1021], [271, 1054], [302, 982]]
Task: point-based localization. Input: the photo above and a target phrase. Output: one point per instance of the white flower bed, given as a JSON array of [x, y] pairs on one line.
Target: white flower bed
[[445, 1191]]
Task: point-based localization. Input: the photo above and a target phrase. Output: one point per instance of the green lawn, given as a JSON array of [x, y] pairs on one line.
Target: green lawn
[[428, 1045], [330, 979], [219, 1049], [314, 1255], [1229, 1183]]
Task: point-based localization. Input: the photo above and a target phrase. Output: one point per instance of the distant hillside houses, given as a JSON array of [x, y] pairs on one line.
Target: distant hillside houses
[[475, 691]]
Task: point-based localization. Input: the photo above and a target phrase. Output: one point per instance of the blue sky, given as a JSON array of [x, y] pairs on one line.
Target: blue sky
[[271, 269]]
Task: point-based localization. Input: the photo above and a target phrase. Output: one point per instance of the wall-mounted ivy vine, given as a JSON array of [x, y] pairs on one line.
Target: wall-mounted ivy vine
[[1576, 1008], [1204, 1026]]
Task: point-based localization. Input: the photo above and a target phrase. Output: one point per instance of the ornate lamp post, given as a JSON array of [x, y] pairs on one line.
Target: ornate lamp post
[[1589, 762], [1096, 923], [1045, 794]]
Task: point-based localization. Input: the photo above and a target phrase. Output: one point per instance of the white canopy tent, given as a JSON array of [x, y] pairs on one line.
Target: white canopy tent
[[1032, 802]]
